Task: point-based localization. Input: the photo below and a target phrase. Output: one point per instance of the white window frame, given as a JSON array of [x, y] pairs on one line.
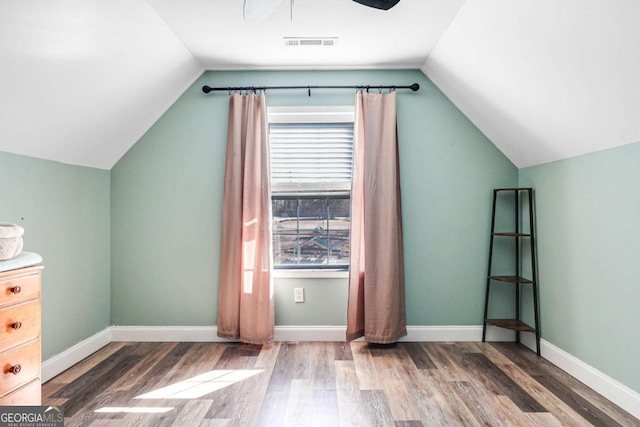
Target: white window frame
[[311, 114]]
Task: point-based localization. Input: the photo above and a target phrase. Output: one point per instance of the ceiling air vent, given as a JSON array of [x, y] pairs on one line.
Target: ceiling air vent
[[310, 41]]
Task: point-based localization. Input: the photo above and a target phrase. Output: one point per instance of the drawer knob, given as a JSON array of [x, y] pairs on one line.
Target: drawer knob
[[16, 289], [16, 325], [15, 369]]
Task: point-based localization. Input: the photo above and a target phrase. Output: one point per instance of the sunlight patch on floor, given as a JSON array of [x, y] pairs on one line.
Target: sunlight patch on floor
[[134, 409], [200, 385]]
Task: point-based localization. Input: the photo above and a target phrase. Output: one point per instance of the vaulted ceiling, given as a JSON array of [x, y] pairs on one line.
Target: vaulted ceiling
[[82, 80]]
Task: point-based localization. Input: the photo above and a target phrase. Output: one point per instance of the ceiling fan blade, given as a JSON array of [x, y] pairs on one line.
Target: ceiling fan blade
[[378, 4], [257, 10]]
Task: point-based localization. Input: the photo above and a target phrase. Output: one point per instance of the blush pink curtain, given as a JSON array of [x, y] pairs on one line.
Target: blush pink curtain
[[245, 297], [376, 307]]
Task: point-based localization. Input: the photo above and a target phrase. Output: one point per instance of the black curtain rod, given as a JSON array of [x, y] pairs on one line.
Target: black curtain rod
[[206, 89]]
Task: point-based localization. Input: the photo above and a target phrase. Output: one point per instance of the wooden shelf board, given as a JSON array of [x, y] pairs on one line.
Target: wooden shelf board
[[515, 189], [513, 324], [512, 234], [510, 279]]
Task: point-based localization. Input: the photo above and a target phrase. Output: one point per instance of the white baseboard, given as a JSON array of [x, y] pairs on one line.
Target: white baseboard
[[456, 333], [414, 333], [165, 334], [302, 333], [310, 333], [209, 333], [616, 392], [63, 361]]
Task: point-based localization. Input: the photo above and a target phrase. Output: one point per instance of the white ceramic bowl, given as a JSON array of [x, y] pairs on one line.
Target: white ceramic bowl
[[10, 240]]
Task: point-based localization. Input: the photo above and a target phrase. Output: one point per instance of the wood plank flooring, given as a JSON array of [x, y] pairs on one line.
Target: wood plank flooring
[[325, 384]]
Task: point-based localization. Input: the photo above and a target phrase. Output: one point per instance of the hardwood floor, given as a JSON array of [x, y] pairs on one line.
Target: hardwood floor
[[325, 384]]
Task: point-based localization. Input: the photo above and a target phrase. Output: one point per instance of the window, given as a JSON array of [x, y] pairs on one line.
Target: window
[[311, 165]]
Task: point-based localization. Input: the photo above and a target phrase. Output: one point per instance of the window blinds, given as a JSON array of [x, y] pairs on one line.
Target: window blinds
[[311, 156]]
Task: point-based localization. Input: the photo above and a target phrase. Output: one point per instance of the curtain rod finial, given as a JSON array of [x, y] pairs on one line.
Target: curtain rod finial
[[206, 89], [414, 87]]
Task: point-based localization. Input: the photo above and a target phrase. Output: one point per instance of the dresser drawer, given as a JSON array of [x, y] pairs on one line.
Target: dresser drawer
[[19, 324], [16, 288], [29, 394], [19, 366]]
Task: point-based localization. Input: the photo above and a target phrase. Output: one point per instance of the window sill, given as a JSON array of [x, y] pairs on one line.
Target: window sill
[[310, 273]]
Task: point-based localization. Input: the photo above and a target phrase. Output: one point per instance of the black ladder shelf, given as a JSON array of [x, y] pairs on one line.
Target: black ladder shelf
[[515, 324]]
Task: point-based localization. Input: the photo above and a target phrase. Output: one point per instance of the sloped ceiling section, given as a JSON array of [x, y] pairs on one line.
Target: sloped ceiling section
[[219, 36], [81, 81], [546, 79]]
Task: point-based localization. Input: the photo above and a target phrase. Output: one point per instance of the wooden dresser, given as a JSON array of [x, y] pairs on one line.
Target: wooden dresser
[[20, 318]]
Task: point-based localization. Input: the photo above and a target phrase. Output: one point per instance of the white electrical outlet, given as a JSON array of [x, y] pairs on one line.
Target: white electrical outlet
[[298, 294]]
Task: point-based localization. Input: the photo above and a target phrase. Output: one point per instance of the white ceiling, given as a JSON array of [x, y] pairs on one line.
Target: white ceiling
[[217, 34], [545, 79], [82, 80]]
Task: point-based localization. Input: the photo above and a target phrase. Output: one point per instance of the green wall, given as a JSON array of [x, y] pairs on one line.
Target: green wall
[[145, 242], [65, 213], [588, 219], [167, 193]]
